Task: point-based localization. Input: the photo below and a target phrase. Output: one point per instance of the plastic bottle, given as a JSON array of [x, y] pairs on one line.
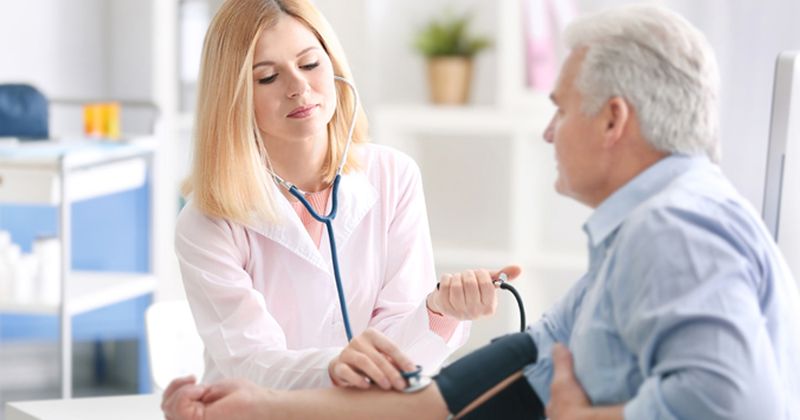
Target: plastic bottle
[[23, 288], [5, 270], [47, 251]]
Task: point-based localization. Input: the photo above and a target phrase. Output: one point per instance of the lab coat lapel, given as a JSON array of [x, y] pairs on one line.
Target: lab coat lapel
[[356, 197], [290, 233]]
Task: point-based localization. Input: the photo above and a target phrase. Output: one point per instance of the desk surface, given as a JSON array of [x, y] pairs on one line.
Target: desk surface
[[127, 407]]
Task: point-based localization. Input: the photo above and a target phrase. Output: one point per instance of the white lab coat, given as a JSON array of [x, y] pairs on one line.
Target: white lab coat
[[264, 296]]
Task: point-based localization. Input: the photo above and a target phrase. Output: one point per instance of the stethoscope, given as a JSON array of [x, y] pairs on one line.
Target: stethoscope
[[328, 219], [414, 378]]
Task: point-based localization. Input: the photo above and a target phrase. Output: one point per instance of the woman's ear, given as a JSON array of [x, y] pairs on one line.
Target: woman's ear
[[616, 113]]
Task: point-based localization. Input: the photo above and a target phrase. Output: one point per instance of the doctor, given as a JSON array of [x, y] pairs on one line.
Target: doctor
[[255, 267]]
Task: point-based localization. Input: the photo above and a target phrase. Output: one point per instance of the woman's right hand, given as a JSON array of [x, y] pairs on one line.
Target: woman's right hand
[[370, 358]]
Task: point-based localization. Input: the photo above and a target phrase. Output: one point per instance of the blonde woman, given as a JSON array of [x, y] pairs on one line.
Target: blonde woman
[[257, 273]]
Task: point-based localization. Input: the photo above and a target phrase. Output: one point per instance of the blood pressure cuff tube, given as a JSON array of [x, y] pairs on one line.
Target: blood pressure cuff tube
[[468, 378]]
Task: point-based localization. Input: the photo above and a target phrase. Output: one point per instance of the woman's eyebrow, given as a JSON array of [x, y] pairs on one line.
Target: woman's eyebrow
[[272, 63]]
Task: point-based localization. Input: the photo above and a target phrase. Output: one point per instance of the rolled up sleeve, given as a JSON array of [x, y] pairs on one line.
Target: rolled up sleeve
[[687, 305]]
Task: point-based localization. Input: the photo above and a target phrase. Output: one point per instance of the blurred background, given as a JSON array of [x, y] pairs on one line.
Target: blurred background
[[488, 176]]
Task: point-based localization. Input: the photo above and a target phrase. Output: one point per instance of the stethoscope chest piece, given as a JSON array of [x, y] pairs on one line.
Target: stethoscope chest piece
[[416, 380]]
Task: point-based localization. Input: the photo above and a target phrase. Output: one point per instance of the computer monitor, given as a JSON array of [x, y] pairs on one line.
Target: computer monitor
[[781, 210]]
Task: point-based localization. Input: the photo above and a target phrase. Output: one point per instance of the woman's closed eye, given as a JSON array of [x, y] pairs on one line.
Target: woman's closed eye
[[269, 79]]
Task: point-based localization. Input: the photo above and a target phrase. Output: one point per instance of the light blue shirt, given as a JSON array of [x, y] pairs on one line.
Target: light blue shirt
[[687, 310]]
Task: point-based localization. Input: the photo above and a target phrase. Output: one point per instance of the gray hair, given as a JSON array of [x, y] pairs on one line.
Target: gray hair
[[658, 62]]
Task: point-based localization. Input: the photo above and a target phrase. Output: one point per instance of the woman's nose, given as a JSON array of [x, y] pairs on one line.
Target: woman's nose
[[298, 86]]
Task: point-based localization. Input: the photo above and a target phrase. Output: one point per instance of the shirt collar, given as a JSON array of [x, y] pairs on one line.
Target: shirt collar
[[610, 214]]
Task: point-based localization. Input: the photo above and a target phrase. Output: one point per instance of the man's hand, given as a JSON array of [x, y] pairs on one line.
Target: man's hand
[[470, 294], [370, 358], [568, 400], [225, 400], [182, 400], [238, 399]]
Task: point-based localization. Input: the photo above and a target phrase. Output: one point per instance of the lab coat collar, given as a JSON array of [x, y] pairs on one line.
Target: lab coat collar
[[613, 211], [356, 197]]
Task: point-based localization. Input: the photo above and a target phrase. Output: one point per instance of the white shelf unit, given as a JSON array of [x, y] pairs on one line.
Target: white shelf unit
[[50, 173], [528, 172]]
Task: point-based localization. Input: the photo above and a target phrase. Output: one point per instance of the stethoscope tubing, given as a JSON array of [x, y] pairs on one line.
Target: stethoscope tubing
[[328, 221]]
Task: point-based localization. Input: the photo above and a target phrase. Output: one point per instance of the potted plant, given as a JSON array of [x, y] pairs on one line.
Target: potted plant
[[449, 49]]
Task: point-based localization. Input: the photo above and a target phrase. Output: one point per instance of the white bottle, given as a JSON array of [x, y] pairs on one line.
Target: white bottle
[[25, 274], [23, 288], [47, 251], [5, 271]]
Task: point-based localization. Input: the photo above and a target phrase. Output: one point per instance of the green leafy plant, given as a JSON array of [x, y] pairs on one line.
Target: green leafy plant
[[448, 37]]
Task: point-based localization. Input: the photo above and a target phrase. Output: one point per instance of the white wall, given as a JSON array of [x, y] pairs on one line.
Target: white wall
[[377, 38], [59, 46]]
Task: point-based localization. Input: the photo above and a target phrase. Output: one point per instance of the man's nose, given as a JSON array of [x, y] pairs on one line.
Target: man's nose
[[547, 135]]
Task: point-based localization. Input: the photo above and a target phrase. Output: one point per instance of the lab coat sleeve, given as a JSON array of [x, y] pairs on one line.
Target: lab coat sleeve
[[241, 338], [400, 311], [695, 324]]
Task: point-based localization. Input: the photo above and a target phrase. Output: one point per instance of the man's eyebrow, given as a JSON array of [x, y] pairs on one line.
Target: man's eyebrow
[[272, 63]]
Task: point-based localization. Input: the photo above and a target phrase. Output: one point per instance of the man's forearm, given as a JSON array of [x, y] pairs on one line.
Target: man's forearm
[[612, 412], [341, 403]]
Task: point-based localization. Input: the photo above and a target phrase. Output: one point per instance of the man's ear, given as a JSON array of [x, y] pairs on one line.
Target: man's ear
[[616, 114]]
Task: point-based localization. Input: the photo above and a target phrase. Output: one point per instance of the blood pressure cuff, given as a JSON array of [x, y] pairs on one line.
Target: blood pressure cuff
[[468, 378]]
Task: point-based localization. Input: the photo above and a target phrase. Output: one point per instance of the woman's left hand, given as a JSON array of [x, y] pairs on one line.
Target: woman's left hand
[[470, 294]]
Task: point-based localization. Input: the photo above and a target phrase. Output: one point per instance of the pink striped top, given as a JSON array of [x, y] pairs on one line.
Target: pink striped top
[[444, 326]]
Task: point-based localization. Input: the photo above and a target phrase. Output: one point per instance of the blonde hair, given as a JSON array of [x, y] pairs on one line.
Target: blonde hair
[[229, 177]]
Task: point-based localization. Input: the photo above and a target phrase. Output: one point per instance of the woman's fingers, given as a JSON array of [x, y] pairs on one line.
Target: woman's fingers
[[392, 364], [455, 297], [371, 356], [471, 293], [345, 375], [473, 307], [362, 361], [487, 293], [512, 271]]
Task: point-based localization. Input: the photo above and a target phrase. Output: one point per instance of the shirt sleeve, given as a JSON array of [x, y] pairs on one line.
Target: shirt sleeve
[[554, 327], [443, 325], [400, 311], [686, 302], [240, 335]]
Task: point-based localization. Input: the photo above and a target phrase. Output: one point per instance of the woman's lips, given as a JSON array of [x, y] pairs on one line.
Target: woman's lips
[[302, 111]]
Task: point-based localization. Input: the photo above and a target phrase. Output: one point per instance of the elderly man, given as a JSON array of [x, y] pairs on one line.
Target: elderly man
[[687, 310]]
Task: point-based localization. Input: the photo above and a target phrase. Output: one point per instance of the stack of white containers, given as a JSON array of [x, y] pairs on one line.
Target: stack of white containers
[[30, 278]]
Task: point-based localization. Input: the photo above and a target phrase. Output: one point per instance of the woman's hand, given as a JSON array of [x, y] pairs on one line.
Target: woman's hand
[[470, 294], [370, 357]]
